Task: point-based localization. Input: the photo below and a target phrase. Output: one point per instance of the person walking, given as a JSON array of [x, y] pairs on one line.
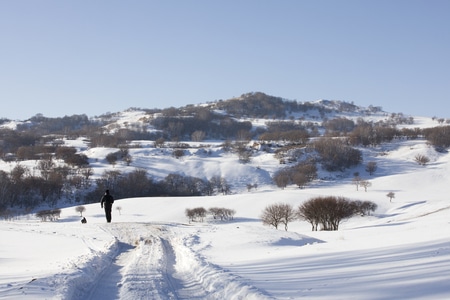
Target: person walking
[[107, 202]]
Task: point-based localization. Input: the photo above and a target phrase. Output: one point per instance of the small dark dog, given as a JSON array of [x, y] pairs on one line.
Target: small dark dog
[[84, 221]]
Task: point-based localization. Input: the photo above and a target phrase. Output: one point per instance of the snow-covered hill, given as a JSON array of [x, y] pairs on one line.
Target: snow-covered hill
[[150, 251], [206, 159]]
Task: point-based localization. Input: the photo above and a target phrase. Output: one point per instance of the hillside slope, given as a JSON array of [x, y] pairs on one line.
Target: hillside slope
[[150, 250]]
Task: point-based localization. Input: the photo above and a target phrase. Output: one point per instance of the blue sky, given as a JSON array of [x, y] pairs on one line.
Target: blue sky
[[70, 57]]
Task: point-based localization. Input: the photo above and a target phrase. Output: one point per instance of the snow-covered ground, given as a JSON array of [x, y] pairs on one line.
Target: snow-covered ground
[[151, 251]]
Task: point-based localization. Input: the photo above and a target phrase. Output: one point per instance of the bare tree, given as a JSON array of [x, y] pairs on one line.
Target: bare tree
[[300, 179], [243, 152], [193, 214], [288, 213], [109, 179], [336, 154], [128, 159], [222, 213], [271, 216], [390, 195], [364, 208], [111, 158], [371, 167], [251, 186], [357, 181], [439, 137], [365, 184], [45, 166], [18, 172], [225, 187], [276, 214], [190, 214], [309, 211], [87, 172], [243, 135], [281, 178], [327, 211], [198, 136], [52, 214], [80, 209], [119, 209], [159, 143]]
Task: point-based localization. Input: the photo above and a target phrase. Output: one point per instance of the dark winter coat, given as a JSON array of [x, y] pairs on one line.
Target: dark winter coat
[[107, 199]]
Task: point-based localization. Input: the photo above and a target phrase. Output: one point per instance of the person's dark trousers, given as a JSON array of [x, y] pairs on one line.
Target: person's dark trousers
[[108, 207]]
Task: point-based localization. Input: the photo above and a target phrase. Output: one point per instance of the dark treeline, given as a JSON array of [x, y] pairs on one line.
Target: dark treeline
[[260, 105], [21, 189]]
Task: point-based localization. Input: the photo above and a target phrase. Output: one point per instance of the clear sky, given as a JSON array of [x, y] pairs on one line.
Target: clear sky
[[90, 57]]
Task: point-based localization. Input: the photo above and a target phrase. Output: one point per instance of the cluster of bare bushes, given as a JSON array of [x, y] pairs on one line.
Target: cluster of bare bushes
[[325, 213], [336, 154], [218, 213], [46, 183], [300, 174], [50, 214]]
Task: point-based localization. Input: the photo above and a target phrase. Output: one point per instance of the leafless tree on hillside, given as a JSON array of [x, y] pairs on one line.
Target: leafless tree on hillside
[[365, 184], [276, 214], [371, 167], [390, 195], [198, 136], [327, 211], [80, 209], [356, 181]]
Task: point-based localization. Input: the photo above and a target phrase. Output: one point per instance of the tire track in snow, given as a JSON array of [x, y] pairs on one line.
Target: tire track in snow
[[106, 286], [153, 262], [183, 286], [193, 277], [135, 271]]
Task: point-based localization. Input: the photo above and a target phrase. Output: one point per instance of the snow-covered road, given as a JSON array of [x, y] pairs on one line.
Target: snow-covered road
[[401, 253], [153, 261]]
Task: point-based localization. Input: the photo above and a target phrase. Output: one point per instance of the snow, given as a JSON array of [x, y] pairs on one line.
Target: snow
[[151, 251]]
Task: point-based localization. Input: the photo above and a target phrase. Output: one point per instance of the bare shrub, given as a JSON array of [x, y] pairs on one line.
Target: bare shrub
[[198, 136], [356, 180], [251, 186], [421, 159], [195, 214], [51, 215], [281, 178], [327, 211], [111, 158], [222, 213], [364, 208], [390, 195], [336, 155], [371, 167], [80, 209], [276, 214], [159, 143], [365, 184], [178, 153], [438, 136]]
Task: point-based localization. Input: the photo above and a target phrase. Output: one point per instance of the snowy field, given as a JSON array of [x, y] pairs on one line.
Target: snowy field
[[151, 251]]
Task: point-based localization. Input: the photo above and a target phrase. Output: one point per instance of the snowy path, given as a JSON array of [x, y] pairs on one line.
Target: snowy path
[[154, 262]]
